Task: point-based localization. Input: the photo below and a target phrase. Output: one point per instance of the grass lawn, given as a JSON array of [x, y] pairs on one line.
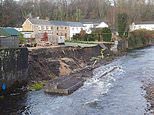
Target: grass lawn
[[80, 43], [85, 43]]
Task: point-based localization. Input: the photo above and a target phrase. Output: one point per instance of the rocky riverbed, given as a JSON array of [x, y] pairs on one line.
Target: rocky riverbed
[[150, 97]]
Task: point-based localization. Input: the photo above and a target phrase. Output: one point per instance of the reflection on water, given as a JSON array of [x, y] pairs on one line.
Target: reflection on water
[[117, 93], [12, 104]]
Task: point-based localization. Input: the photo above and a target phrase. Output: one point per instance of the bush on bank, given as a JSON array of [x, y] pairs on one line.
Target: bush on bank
[[140, 38], [36, 86], [98, 34]]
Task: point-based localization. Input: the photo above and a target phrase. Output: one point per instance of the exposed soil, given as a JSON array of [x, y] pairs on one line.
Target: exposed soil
[[49, 63]]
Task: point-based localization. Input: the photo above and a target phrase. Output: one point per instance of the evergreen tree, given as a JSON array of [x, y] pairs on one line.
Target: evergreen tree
[[122, 22]]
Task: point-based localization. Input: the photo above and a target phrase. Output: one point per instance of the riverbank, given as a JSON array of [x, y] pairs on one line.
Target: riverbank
[[49, 63], [150, 97], [121, 88], [140, 39], [68, 61], [117, 92], [86, 70]]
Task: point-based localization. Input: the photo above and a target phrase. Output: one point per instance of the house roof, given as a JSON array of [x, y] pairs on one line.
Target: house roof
[[63, 23], [91, 21], [145, 22], [11, 31], [75, 24], [56, 23], [5, 32], [59, 23], [102, 25], [39, 21]]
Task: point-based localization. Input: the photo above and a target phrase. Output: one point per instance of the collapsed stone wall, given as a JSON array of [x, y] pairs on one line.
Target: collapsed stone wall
[[48, 63], [70, 52], [13, 65]]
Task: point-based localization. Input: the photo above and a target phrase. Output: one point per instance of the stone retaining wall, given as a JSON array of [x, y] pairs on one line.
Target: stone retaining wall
[[13, 65]]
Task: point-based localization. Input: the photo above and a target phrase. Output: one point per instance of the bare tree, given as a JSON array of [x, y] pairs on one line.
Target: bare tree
[[13, 12]]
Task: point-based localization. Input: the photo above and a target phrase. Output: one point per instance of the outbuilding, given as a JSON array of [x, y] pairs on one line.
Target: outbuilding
[[9, 38]]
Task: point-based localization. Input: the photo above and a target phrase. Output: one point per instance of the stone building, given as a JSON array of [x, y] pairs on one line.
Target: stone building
[[33, 27]]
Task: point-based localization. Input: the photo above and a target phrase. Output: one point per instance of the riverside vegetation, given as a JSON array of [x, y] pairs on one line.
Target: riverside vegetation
[[36, 86], [140, 38]]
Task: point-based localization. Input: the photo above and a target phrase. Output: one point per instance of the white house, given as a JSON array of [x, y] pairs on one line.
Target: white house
[[75, 28], [102, 25], [89, 24], [18, 29], [27, 34], [148, 25]]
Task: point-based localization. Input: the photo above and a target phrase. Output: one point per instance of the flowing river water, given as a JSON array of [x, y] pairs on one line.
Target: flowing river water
[[119, 92]]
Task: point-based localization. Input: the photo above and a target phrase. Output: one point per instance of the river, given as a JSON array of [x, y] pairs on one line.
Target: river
[[118, 93]]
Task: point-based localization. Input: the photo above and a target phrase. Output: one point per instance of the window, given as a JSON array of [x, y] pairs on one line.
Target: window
[[65, 28], [46, 27], [51, 27], [57, 33], [65, 34], [57, 28], [42, 28]]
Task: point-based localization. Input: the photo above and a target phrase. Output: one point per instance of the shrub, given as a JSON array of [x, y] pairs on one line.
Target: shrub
[[89, 37], [97, 34], [102, 34], [76, 37], [22, 40], [122, 24], [107, 34], [36, 86], [140, 38]]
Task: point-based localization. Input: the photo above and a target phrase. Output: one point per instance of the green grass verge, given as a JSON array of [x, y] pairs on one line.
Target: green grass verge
[[81, 42], [36, 86]]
